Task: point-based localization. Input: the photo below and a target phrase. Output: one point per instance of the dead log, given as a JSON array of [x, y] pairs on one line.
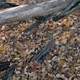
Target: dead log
[[26, 12]]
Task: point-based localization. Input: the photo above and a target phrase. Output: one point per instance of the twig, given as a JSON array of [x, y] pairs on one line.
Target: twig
[[4, 65], [9, 73], [44, 51]]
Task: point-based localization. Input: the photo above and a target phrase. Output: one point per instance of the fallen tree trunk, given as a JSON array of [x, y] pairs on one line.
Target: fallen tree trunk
[[26, 12]]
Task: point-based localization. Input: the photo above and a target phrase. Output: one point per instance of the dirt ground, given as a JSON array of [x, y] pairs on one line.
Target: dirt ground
[[63, 63]]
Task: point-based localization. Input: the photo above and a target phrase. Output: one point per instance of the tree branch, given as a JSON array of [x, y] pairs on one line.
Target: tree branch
[[25, 12]]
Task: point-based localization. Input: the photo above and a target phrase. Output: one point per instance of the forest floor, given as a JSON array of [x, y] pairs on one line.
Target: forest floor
[[63, 63]]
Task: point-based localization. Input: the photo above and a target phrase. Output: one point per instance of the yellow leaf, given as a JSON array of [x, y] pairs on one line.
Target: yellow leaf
[[1, 49]]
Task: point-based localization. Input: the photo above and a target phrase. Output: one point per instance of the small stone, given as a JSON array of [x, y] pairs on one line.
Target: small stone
[[3, 38], [3, 27]]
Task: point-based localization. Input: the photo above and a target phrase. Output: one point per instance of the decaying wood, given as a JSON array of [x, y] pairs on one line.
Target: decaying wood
[[26, 12]]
